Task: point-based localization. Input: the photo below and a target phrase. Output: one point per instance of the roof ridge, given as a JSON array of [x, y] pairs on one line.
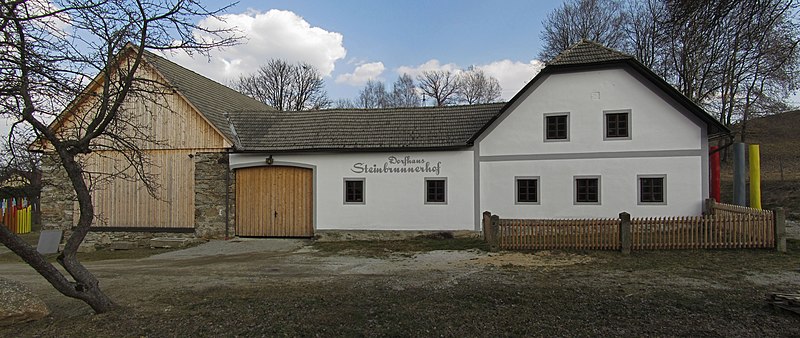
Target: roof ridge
[[454, 107], [573, 49]]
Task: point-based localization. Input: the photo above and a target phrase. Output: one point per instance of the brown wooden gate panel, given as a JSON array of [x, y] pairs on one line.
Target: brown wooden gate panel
[[274, 201]]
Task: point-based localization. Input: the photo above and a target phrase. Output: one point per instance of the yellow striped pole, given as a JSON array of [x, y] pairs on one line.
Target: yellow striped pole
[[755, 177]]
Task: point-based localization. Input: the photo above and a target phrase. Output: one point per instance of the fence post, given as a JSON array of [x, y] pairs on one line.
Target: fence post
[[708, 206], [780, 230], [487, 227], [625, 235], [494, 245]]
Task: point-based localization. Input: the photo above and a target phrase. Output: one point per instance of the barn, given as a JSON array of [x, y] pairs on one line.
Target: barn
[[186, 123]]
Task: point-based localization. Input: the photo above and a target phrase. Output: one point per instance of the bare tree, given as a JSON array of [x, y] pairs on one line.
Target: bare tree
[[45, 53], [404, 92], [475, 87], [597, 20], [373, 95], [285, 86], [344, 104], [440, 85]]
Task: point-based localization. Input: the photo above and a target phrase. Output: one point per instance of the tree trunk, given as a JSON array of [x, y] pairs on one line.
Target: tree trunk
[[85, 286]]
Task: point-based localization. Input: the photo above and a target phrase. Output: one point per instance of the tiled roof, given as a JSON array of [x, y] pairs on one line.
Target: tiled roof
[[212, 99], [360, 129], [587, 51]]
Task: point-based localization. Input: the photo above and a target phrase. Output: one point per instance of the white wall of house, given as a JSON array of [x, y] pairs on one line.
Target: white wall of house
[[665, 139], [393, 201], [618, 187]]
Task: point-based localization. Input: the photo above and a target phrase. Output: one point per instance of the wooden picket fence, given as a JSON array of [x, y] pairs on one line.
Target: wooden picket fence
[[592, 234], [703, 232], [727, 227]]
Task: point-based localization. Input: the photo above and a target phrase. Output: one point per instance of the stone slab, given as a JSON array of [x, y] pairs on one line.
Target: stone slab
[[168, 242], [48, 241]]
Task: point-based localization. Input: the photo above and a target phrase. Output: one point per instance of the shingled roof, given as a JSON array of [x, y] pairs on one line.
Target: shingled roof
[[587, 52], [211, 98], [422, 128]]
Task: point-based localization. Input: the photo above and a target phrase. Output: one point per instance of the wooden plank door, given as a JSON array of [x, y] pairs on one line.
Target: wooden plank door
[[274, 201]]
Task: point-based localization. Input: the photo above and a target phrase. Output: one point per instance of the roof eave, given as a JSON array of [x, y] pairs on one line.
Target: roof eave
[[351, 150]]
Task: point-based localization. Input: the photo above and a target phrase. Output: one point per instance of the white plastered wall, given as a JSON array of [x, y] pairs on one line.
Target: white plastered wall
[[394, 201]]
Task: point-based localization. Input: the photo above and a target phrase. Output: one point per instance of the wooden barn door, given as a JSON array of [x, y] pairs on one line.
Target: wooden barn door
[[274, 201]]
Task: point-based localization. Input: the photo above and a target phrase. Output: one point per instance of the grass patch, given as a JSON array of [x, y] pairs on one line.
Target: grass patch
[[377, 248]]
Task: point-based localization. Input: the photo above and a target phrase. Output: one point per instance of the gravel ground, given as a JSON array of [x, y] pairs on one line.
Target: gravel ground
[[287, 288], [792, 229]]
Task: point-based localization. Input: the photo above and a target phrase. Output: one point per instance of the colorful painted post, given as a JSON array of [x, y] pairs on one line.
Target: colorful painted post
[[755, 177], [715, 172], [739, 172]]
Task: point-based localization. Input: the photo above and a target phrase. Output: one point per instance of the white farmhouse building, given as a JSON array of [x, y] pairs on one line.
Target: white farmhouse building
[[593, 134]]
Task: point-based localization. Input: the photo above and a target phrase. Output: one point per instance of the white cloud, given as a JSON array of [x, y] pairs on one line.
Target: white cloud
[[430, 65], [362, 73], [512, 75], [271, 34]]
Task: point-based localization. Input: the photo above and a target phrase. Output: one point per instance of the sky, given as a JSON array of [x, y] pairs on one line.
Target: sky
[[352, 41]]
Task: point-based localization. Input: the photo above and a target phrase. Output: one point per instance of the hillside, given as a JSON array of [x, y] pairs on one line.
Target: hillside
[[778, 137]]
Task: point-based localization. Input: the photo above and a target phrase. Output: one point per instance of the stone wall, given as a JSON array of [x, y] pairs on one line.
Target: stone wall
[[210, 170], [58, 196]]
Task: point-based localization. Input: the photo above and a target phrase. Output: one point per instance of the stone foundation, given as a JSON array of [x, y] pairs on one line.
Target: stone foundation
[[210, 170], [142, 239]]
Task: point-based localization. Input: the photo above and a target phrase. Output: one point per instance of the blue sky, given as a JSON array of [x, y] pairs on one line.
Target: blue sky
[[381, 39]]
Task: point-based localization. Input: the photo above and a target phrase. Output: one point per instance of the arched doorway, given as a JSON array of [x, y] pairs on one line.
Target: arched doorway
[[274, 201]]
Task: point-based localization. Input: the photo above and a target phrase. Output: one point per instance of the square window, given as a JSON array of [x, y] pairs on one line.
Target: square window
[[527, 190], [556, 127], [617, 125], [651, 190], [354, 191], [587, 190], [435, 191]]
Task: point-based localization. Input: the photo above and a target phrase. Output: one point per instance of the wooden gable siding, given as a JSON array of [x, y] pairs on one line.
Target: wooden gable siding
[[127, 203], [165, 120]]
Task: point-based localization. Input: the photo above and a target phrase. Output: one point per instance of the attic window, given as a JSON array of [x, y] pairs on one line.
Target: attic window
[[617, 125], [556, 127]]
